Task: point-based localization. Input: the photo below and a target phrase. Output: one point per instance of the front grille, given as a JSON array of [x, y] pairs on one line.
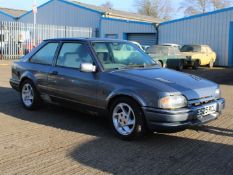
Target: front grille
[[201, 101]]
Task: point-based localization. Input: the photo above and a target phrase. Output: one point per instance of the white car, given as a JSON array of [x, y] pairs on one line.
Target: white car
[[173, 45]]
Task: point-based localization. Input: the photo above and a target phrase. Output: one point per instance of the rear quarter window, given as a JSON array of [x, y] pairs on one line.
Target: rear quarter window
[[45, 55]]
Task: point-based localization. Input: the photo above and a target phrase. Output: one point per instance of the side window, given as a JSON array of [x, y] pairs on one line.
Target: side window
[[45, 55], [102, 53], [73, 54]]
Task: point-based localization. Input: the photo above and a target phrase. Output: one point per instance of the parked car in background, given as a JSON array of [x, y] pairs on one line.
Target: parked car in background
[[145, 47], [167, 56], [126, 85], [137, 44], [198, 55], [173, 45]]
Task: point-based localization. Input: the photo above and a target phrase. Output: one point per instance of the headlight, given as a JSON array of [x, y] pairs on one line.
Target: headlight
[[173, 102], [217, 93]]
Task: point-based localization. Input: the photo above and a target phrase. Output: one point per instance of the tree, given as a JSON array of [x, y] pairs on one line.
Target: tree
[[193, 7], [219, 4], [108, 4], [160, 9]]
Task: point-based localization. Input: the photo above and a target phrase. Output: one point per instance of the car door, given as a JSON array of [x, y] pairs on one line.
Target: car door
[[66, 81], [40, 64]]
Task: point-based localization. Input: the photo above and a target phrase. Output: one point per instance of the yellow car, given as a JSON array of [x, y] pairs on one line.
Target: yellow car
[[198, 55]]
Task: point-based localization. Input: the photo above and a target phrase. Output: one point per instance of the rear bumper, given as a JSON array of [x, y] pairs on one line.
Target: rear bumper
[[175, 120], [14, 84]]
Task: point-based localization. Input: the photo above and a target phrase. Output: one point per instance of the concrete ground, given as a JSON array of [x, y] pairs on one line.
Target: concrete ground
[[54, 140]]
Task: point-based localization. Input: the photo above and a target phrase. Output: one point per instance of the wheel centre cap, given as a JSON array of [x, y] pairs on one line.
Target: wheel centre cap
[[122, 120]]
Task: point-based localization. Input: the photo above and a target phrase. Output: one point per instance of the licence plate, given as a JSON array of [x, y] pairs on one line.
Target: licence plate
[[210, 109]]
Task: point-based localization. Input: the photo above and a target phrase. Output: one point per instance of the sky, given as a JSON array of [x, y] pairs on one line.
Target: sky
[[125, 5]]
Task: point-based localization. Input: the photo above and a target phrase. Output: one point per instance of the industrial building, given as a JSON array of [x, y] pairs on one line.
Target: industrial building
[[214, 29], [105, 22], [7, 14]]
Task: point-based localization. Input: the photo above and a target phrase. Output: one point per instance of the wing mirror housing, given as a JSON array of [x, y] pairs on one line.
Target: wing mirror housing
[[88, 67]]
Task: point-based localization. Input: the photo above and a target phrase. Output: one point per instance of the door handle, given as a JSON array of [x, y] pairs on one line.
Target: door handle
[[54, 73]]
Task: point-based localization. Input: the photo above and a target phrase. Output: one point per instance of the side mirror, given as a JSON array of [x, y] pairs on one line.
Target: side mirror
[[88, 67]]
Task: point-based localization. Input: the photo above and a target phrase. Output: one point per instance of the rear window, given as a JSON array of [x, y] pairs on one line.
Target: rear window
[[191, 48], [158, 50]]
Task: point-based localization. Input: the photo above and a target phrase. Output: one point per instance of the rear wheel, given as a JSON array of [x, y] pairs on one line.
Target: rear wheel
[[29, 96], [127, 119], [196, 64]]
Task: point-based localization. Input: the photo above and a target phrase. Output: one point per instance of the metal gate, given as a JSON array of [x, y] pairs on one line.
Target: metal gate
[[17, 39]]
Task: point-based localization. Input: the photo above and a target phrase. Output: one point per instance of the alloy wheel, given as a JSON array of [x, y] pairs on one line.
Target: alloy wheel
[[124, 119]]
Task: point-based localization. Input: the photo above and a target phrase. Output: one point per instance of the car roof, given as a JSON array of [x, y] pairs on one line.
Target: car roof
[[169, 44], [86, 39], [196, 45]]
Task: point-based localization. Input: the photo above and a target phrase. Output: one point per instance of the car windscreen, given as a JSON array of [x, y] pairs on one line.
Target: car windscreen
[[121, 55], [159, 50], [191, 48]]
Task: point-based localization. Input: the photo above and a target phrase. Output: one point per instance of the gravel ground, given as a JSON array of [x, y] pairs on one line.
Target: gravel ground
[[54, 140]]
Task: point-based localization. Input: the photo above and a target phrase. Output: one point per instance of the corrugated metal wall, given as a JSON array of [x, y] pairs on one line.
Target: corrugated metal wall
[[4, 17], [60, 13], [211, 29], [120, 27]]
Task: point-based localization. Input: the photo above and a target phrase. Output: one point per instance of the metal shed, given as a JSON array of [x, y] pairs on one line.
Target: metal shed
[[214, 29]]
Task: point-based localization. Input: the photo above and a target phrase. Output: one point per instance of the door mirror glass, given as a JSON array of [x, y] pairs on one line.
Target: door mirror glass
[[88, 67]]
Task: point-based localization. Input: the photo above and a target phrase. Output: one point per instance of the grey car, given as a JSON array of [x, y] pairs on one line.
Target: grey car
[[116, 79]]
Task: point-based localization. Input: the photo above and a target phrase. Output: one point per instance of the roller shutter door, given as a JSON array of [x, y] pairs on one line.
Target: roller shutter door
[[143, 38]]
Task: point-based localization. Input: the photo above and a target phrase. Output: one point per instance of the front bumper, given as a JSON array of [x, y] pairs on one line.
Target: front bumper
[[14, 84], [174, 120]]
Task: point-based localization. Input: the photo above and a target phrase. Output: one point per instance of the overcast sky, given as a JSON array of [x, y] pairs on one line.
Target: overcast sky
[[126, 5]]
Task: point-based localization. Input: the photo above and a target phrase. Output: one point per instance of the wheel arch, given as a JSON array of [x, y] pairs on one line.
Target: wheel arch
[[127, 94], [162, 62], [27, 76]]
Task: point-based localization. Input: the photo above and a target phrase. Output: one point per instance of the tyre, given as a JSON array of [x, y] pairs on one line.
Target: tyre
[[211, 64], [29, 95], [180, 65], [196, 64], [127, 119], [160, 63]]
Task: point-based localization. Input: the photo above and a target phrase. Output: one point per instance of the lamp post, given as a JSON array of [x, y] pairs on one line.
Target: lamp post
[[34, 9]]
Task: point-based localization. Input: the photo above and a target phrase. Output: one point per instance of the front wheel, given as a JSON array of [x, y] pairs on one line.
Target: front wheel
[[29, 96], [127, 119], [196, 64]]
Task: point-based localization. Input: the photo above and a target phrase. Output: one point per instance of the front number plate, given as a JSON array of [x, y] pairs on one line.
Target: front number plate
[[210, 109]]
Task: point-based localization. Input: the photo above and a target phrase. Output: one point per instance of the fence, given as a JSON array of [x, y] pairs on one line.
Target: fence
[[17, 39]]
